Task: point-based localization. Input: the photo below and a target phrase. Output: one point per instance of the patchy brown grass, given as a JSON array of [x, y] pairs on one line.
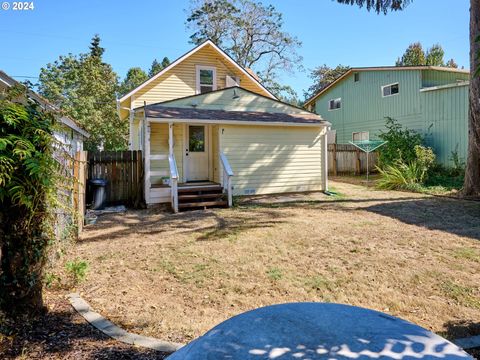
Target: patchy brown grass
[[176, 276]]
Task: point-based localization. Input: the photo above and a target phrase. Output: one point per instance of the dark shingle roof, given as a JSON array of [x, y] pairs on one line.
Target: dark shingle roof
[[164, 112]]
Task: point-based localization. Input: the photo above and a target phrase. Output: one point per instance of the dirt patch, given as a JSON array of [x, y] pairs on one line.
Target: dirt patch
[[62, 334], [174, 276]]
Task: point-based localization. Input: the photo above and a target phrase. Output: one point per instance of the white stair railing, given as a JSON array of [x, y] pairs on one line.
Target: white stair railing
[[227, 178], [173, 182]]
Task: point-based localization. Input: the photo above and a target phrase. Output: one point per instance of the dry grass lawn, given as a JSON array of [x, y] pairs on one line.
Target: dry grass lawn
[[174, 276]]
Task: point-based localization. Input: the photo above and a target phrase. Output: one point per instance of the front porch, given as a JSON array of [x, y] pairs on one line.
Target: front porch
[[184, 167]]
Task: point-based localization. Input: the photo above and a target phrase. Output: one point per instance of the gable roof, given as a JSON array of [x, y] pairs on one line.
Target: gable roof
[[8, 81], [189, 53], [381, 68]]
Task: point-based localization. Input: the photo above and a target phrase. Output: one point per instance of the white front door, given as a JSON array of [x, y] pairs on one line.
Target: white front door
[[196, 153]]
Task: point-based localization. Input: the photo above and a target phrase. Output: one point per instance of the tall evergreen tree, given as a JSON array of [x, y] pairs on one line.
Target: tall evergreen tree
[[85, 87], [471, 186], [135, 76], [156, 66], [413, 56], [434, 56]]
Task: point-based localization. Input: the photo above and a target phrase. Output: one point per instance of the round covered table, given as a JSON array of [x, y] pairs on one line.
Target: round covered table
[[318, 331]]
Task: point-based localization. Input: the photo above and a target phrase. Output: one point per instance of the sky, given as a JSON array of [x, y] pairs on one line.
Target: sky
[[136, 32]]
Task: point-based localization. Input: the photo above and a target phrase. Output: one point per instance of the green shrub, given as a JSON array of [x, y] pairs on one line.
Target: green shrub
[[400, 144], [77, 270], [425, 160], [400, 176], [274, 274]]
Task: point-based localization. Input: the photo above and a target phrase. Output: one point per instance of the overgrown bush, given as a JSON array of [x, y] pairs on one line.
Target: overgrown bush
[[27, 195], [400, 144], [408, 176]]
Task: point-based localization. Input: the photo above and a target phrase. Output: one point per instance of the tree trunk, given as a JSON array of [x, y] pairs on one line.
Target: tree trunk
[[471, 185]]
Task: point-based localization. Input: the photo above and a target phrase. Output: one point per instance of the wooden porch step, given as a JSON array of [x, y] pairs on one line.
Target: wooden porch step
[[209, 188], [198, 196], [202, 204]]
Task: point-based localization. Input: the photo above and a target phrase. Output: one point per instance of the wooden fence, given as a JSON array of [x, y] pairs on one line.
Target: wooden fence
[[348, 159], [80, 187], [124, 172]]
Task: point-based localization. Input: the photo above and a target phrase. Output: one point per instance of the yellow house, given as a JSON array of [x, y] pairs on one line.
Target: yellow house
[[210, 130]]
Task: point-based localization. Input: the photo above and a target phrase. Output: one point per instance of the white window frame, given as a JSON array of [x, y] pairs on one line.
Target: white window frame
[[329, 101], [361, 132], [203, 67], [384, 86]]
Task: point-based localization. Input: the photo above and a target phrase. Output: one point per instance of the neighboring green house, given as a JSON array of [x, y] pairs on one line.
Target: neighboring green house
[[431, 100]]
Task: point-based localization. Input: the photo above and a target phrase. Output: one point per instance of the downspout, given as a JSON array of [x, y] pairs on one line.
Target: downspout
[[324, 165]]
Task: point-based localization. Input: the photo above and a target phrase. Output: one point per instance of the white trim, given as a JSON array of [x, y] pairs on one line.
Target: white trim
[[324, 160], [198, 68], [235, 122], [448, 86], [146, 156], [130, 129], [329, 101], [384, 86], [191, 52]]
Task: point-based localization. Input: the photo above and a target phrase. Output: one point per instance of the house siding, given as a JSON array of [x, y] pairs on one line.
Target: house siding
[[180, 81], [270, 159], [439, 115], [246, 101]]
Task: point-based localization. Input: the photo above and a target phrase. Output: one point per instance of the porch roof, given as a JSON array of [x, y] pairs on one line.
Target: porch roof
[[157, 111]]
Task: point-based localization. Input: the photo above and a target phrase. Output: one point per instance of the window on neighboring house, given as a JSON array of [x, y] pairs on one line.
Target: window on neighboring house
[[335, 104], [360, 135], [356, 77], [206, 79], [389, 90]]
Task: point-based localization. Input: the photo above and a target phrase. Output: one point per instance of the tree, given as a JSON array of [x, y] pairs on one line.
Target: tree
[[250, 32], [471, 185], [85, 87], [135, 76], [451, 64], [28, 186], [157, 67], [434, 56], [413, 56], [323, 76]]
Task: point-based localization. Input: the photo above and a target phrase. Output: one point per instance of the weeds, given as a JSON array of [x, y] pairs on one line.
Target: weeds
[[462, 294], [77, 270], [274, 274]]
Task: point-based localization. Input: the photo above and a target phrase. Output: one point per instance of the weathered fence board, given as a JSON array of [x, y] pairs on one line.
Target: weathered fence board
[[79, 186], [124, 172], [348, 159]]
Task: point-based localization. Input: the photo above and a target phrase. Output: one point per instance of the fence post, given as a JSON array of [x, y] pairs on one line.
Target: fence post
[[358, 167], [335, 168]]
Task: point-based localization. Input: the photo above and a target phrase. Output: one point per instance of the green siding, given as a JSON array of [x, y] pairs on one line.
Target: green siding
[[441, 115]]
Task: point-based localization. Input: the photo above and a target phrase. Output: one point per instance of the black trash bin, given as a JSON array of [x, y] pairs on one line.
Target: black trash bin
[[99, 194]]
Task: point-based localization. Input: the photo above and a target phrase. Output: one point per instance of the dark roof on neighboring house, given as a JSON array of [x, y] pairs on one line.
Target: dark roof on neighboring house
[[223, 116], [65, 120]]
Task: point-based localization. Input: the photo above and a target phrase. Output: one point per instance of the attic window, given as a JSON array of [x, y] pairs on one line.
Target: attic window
[[389, 90], [356, 77], [206, 79], [335, 104]]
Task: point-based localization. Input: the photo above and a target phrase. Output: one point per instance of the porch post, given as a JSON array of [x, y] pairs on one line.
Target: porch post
[[130, 130], [170, 138], [146, 156], [324, 159]]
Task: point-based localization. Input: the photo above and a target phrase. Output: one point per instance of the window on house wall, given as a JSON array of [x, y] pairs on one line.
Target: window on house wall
[[206, 79], [389, 90], [356, 77], [360, 136], [335, 104]]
